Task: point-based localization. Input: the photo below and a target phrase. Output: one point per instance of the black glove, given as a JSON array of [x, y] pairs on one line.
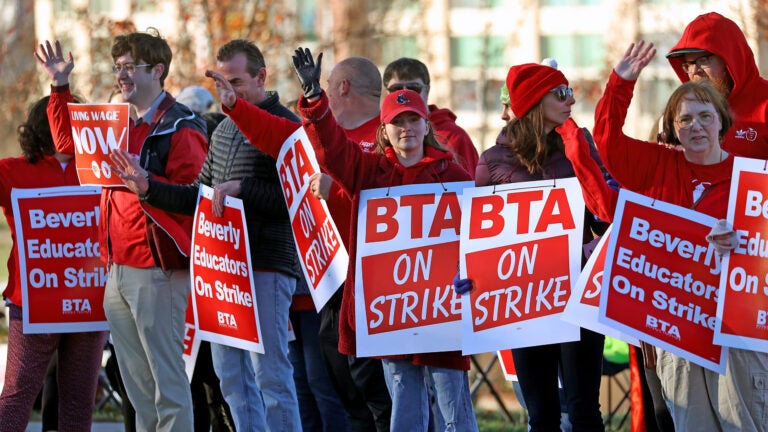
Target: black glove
[[308, 72]]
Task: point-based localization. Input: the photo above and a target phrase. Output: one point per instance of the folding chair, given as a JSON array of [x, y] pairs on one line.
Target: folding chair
[[618, 381], [481, 377]]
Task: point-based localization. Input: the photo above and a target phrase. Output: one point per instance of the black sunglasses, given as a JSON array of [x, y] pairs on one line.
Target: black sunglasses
[[562, 93], [403, 86]]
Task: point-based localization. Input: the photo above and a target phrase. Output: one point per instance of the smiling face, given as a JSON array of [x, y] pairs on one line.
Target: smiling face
[[141, 87], [406, 135], [556, 111], [700, 140], [247, 87]]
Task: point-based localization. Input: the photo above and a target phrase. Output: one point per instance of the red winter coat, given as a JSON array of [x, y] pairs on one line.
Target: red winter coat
[[651, 169], [748, 100], [453, 137]]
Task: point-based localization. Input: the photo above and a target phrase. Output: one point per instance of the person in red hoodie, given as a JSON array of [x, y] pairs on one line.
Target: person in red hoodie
[[411, 74], [697, 119], [713, 48], [407, 153], [79, 354]]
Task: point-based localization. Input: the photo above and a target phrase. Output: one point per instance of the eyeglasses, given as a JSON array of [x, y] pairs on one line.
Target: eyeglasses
[[128, 67], [702, 62], [704, 119], [562, 93], [410, 86]]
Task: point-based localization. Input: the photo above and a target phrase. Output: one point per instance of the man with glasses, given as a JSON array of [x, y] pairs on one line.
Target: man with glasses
[[714, 48], [409, 73], [147, 249]]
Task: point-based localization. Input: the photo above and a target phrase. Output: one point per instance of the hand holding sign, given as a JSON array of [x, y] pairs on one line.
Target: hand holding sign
[[127, 167]]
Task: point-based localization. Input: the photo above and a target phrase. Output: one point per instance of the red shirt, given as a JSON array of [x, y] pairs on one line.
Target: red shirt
[[19, 173]]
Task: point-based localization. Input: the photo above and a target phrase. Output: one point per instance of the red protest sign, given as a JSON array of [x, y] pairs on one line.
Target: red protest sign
[[62, 274], [191, 342], [743, 309], [521, 246], [96, 129], [660, 266], [583, 307], [408, 248], [323, 257], [222, 286]]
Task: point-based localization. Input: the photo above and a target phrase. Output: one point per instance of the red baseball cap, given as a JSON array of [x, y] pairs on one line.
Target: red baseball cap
[[402, 101]]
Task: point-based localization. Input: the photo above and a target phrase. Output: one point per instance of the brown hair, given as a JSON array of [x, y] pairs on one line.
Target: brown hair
[[148, 47], [526, 138], [703, 92], [34, 134], [254, 58]]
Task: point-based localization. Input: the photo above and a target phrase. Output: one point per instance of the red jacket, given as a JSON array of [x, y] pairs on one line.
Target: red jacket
[[354, 169], [122, 224], [453, 137], [651, 169], [749, 98], [19, 173]]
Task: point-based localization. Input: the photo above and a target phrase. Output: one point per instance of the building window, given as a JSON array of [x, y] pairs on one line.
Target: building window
[[479, 4], [465, 95], [477, 51], [574, 50], [571, 2], [392, 48]]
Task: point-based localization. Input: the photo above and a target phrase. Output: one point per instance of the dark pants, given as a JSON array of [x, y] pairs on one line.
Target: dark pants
[[580, 364], [359, 382], [209, 408]]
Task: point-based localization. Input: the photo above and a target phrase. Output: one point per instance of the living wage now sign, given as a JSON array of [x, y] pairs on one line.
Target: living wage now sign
[[96, 129], [223, 294], [323, 257], [521, 246], [661, 279], [60, 267], [407, 251], [743, 308]]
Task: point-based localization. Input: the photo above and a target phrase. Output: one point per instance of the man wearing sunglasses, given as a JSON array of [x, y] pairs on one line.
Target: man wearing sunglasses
[[411, 74], [714, 48]]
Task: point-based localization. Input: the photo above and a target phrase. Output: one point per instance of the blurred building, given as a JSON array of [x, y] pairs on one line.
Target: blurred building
[[468, 45]]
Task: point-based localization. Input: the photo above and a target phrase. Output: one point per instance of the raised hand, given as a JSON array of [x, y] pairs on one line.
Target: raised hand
[[635, 59], [308, 72], [224, 90], [53, 62], [127, 167]]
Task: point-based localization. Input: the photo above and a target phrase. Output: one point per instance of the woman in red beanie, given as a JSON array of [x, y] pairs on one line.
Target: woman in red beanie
[[541, 101]]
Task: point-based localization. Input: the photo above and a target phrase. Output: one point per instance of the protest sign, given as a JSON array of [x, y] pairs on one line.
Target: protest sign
[[521, 244], [661, 279], [191, 341], [323, 257], [222, 284], [507, 364], [96, 129], [62, 274], [583, 306], [407, 251], [742, 312]]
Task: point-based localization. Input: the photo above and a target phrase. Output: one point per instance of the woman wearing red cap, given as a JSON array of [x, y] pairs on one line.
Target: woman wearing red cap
[[407, 153], [541, 101]]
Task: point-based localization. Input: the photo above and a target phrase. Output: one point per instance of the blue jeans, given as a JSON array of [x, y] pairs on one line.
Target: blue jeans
[[319, 404], [407, 385], [580, 364], [260, 386]]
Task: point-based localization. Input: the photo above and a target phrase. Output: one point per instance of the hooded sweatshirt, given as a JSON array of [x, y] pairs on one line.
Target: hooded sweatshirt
[[453, 137], [748, 100]]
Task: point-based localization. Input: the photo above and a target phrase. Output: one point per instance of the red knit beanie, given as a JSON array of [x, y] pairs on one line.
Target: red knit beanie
[[528, 83]]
